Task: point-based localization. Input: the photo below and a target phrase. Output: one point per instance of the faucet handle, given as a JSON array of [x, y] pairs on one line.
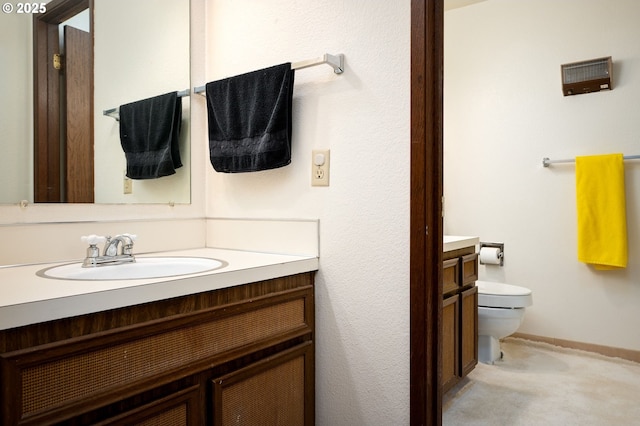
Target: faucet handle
[[132, 237], [93, 239]]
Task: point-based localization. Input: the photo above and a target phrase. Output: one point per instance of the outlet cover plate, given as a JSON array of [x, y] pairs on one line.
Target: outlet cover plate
[[320, 172]]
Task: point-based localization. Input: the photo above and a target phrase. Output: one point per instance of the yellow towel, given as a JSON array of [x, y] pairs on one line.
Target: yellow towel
[[602, 221]]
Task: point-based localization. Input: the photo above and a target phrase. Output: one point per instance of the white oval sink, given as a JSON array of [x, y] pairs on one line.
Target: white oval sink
[[143, 267]]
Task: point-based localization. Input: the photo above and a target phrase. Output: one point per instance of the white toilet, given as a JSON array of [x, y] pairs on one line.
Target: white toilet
[[500, 313]]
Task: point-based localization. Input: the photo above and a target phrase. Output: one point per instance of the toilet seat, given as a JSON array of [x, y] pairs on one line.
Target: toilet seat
[[501, 313], [506, 296]]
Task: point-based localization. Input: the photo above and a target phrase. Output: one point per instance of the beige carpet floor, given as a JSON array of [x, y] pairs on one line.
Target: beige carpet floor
[[541, 384]]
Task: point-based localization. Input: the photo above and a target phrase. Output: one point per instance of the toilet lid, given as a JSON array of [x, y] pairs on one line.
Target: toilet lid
[[499, 295]]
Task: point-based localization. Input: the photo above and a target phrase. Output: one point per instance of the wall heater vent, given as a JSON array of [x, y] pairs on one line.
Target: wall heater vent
[[586, 76]]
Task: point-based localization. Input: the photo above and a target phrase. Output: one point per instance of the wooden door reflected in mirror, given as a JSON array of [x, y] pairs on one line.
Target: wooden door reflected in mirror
[[63, 98]]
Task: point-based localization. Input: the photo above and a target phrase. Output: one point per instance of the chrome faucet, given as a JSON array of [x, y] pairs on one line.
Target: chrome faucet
[[111, 247], [110, 255]]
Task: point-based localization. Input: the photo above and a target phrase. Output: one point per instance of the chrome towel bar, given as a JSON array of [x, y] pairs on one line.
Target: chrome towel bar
[[546, 162], [115, 112], [335, 61]]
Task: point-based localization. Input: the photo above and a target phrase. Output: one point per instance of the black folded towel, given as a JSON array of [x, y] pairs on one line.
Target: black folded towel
[[250, 120], [150, 136]]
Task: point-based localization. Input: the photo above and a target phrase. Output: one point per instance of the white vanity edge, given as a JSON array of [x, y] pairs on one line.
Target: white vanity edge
[[453, 242], [26, 298]]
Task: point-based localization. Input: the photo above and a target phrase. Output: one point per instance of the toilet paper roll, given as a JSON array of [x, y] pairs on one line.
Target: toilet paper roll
[[490, 255]]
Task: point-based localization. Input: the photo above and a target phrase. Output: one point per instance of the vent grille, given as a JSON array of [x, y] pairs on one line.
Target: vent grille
[[585, 71], [586, 76]]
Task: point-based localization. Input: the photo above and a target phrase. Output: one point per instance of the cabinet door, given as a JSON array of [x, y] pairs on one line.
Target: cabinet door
[[450, 338], [180, 409], [277, 391], [468, 330]]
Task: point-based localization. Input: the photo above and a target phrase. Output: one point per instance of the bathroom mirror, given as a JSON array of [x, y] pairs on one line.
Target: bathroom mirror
[[140, 50]]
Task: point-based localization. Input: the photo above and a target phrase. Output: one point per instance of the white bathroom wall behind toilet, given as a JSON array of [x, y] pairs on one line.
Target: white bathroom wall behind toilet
[[504, 112]]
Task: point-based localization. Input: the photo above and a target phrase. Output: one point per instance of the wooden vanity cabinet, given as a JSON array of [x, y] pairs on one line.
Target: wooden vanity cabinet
[[459, 315], [223, 357]]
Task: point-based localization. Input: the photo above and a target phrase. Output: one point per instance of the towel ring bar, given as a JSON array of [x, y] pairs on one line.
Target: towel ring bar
[[546, 162], [335, 61], [115, 112]]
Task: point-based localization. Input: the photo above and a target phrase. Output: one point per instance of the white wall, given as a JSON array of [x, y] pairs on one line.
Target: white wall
[[504, 112], [16, 112], [362, 116]]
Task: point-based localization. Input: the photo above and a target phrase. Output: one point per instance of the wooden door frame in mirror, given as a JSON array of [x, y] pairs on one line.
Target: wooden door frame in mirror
[[427, 58], [46, 97]]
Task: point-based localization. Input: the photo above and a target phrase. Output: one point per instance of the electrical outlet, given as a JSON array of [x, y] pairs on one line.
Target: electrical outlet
[[320, 167], [128, 185]]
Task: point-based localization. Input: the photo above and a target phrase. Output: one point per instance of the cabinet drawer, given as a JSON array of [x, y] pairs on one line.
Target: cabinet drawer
[[469, 268], [450, 275]]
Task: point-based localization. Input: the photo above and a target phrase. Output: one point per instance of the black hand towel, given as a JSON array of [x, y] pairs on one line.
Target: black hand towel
[[150, 135], [250, 120]]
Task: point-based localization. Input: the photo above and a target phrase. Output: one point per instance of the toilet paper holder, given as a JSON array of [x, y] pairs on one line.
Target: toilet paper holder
[[499, 246]]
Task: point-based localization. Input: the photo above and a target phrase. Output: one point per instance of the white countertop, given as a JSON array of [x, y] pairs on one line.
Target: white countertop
[[26, 298], [453, 242]]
